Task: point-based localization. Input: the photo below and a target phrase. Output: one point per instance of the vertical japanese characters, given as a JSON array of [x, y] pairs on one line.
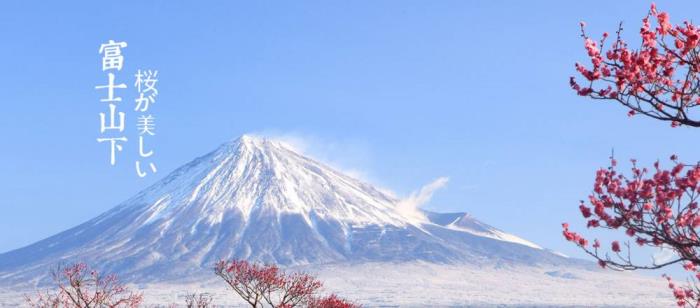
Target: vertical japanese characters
[[147, 92], [112, 121], [112, 124]]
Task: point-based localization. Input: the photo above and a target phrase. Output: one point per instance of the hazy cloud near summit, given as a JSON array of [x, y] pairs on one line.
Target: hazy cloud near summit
[[411, 204], [352, 157], [346, 156]]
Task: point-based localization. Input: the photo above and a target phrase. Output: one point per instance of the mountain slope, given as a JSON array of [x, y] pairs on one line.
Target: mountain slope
[[258, 199]]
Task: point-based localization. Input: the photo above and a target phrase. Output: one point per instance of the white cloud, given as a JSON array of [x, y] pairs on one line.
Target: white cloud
[[352, 157], [411, 205], [664, 255]]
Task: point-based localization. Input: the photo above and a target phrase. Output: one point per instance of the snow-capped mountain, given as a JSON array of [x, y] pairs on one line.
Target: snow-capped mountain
[[258, 199]]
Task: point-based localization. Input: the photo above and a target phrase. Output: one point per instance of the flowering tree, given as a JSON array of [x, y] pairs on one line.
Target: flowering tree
[[267, 284], [201, 300], [331, 301], [82, 287], [658, 207]]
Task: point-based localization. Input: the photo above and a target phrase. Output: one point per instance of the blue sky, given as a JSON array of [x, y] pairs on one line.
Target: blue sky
[[401, 92]]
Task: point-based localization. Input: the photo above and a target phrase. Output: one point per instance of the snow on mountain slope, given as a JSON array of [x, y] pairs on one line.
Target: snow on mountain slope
[[258, 199], [467, 223], [422, 284]]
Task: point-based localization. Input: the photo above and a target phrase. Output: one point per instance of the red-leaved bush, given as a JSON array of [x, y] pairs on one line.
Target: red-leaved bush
[[267, 284], [654, 207], [79, 286]]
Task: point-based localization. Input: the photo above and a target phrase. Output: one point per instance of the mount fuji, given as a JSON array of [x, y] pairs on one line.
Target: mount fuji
[[258, 199]]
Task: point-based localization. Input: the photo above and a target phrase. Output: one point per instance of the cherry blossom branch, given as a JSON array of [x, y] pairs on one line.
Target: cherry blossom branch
[[657, 80]]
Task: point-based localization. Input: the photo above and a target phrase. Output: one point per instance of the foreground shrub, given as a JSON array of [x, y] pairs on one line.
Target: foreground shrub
[[261, 285], [79, 286], [198, 300]]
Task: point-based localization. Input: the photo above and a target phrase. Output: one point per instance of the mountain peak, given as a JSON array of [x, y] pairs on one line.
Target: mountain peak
[[251, 142], [256, 198], [254, 175], [255, 140]]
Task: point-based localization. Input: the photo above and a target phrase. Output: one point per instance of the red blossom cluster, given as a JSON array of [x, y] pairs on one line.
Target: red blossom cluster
[[331, 301], [267, 284], [82, 287], [686, 296], [657, 208], [659, 80]]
